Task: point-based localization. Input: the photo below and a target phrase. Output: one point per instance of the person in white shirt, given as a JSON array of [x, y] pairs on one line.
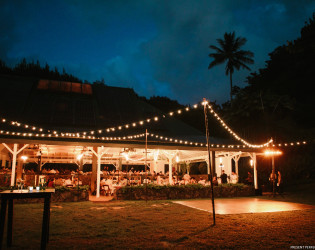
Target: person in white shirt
[[68, 182], [186, 178], [234, 178], [109, 182], [202, 181]]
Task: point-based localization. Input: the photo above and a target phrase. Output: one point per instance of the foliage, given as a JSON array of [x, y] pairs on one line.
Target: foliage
[[32, 69], [164, 103], [278, 100], [238, 185], [229, 51], [64, 188], [177, 187]]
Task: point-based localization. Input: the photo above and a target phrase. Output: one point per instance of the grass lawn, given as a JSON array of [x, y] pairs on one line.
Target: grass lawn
[[159, 225]]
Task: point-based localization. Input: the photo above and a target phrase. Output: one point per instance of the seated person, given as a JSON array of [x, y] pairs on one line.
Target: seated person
[[186, 178], [124, 182], [68, 182], [215, 181], [59, 182], [77, 182], [102, 181], [202, 181], [51, 183], [193, 180]]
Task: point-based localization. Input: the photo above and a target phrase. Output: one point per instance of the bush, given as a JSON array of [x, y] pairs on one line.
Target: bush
[[190, 191], [63, 188]]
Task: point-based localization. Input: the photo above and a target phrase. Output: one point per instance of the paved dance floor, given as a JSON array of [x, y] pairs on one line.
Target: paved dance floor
[[244, 205]]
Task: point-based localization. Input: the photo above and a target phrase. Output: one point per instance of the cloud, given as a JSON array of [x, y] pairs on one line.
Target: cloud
[[156, 47], [8, 35]]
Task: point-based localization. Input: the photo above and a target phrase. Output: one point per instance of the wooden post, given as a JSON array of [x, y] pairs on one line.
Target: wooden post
[[170, 170], [208, 146], [273, 176]]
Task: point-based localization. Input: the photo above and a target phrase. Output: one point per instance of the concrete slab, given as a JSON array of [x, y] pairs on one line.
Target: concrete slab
[[243, 205]]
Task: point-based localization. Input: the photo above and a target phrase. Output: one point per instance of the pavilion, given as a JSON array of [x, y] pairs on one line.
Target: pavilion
[[63, 122]]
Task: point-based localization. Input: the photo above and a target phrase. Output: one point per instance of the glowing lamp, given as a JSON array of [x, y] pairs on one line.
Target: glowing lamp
[[270, 152], [24, 157], [177, 159]]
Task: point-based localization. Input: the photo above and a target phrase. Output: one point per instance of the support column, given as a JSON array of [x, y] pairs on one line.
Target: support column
[[4, 160], [14, 153], [212, 157], [208, 166], [98, 153], [152, 166], [120, 164], [19, 169], [170, 171], [94, 171], [255, 171], [98, 178]]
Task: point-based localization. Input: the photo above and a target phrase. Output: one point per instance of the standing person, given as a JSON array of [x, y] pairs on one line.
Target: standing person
[[234, 178], [223, 177], [279, 183], [272, 179], [249, 179]]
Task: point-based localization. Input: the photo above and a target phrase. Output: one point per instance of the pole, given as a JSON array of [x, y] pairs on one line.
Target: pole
[[208, 146], [146, 154], [273, 176]]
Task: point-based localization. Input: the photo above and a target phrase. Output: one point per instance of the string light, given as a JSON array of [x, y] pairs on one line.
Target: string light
[[269, 152], [148, 120], [223, 124]]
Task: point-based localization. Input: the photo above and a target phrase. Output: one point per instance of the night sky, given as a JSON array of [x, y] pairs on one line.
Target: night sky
[[155, 47]]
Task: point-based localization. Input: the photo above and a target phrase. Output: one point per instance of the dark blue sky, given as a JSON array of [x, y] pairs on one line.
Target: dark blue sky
[[155, 47]]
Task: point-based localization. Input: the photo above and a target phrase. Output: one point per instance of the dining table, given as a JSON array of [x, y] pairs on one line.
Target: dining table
[[7, 200]]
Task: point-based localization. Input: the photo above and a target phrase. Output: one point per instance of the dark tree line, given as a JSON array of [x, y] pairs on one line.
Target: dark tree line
[[279, 100], [32, 69]]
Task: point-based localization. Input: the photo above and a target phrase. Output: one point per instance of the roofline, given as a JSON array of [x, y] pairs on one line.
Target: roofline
[[121, 144]]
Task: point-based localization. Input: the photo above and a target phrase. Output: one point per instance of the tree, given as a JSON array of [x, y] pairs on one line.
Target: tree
[[229, 50]]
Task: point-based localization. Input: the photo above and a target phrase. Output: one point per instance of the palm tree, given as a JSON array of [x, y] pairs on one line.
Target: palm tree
[[229, 50]]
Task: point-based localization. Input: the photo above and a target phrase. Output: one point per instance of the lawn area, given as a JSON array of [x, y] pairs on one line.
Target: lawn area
[[158, 224]]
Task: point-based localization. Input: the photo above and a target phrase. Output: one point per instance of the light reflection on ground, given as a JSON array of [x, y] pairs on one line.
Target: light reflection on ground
[[244, 205]]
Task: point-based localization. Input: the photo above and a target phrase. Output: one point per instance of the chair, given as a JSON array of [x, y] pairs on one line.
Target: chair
[[106, 190]]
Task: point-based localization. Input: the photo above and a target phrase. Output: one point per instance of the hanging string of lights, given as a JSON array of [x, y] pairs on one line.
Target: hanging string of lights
[[142, 135], [236, 136], [100, 131], [142, 122], [92, 134], [23, 134]]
